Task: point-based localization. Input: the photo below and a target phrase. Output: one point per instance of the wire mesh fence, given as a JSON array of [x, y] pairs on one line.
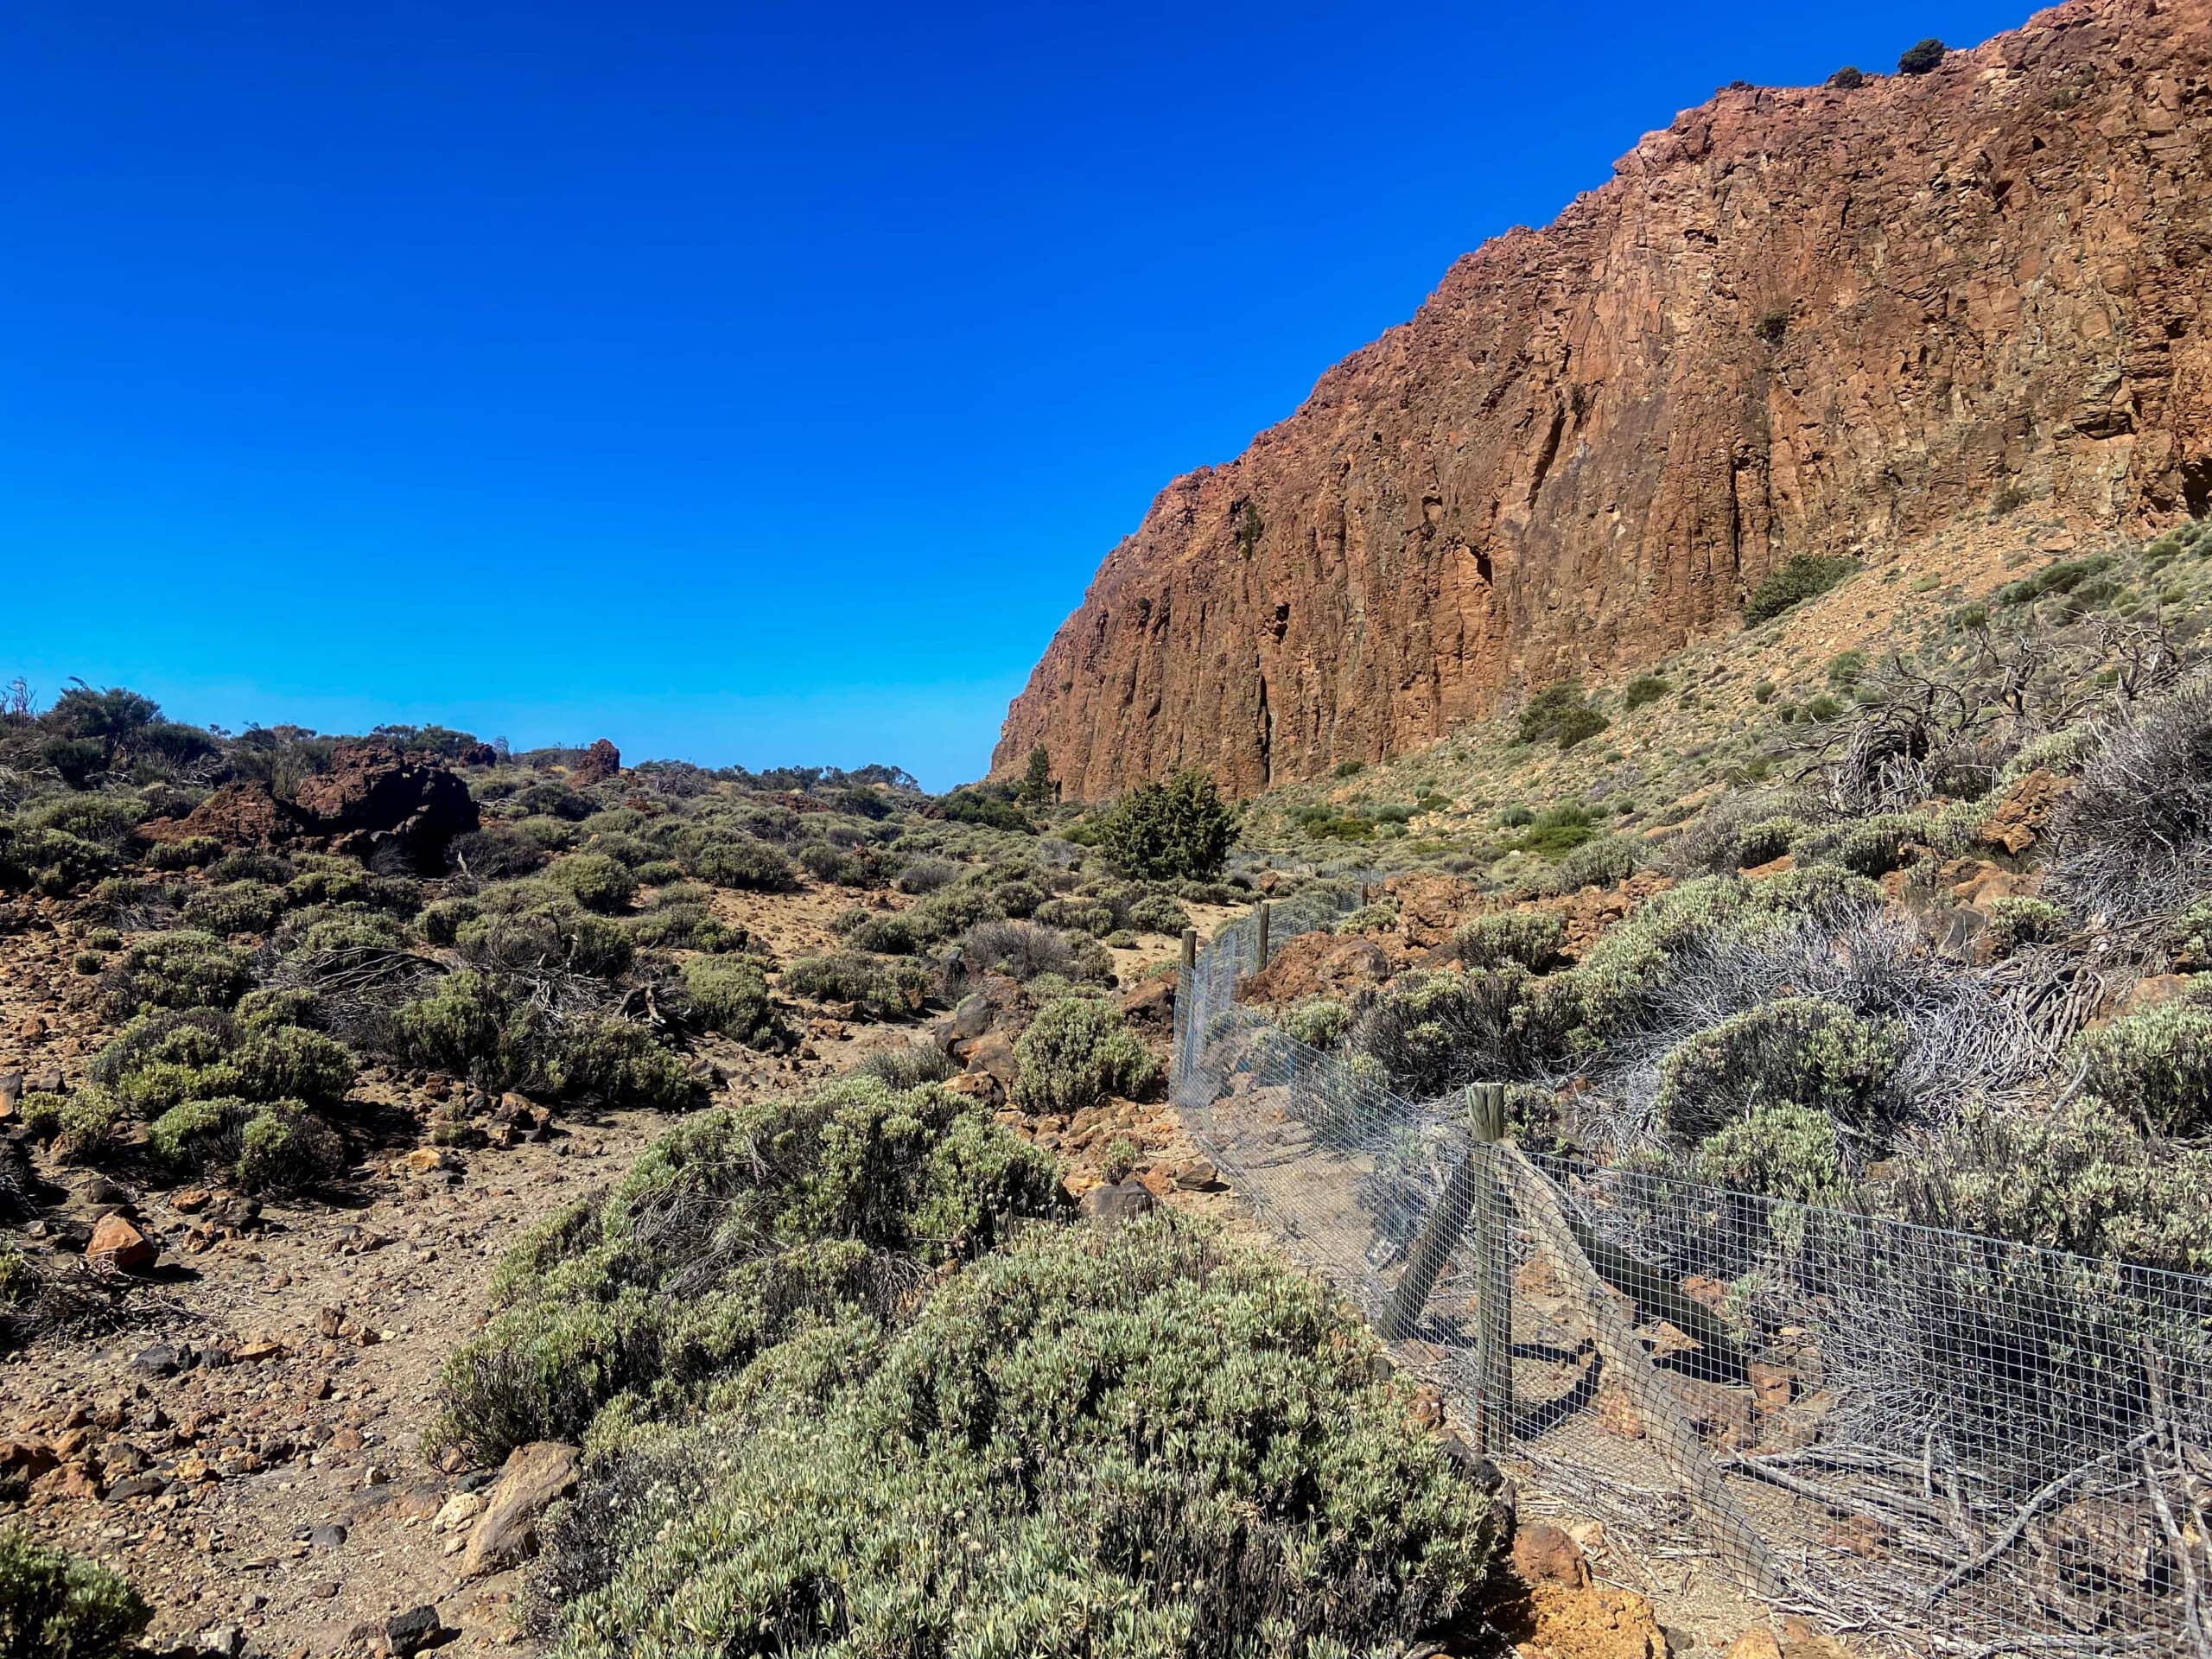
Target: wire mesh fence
[[1938, 1443]]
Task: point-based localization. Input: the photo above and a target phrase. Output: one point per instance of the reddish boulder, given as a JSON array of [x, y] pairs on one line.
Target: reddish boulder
[[601, 761], [374, 798], [237, 815], [115, 1243], [2022, 818]]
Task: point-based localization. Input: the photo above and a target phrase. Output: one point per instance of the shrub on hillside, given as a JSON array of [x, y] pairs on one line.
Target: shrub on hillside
[[730, 994], [2135, 833], [1077, 1051], [741, 1227], [1777, 1149], [1815, 1054], [1919, 59], [1559, 714], [183, 969], [1021, 949], [1318, 1021], [48, 859], [1643, 689], [496, 852], [927, 875], [2154, 1067], [1180, 829], [1433, 1032], [1602, 861], [909, 1065], [595, 881], [2080, 1180], [741, 862], [56, 1606], [1296, 1511], [1796, 579], [238, 907], [1534, 940], [1158, 912], [886, 988]]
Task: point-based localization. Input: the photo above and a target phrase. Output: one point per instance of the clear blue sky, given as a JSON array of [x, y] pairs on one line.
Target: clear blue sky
[[752, 383]]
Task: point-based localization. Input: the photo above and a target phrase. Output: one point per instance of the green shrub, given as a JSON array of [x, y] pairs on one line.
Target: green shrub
[[48, 859], [1034, 1507], [240, 907], [884, 933], [1534, 940], [1092, 916], [1347, 768], [1432, 1032], [183, 969], [2015, 921], [1777, 1149], [731, 996], [682, 927], [1559, 714], [614, 1063], [1762, 693], [1798, 578], [2154, 1067], [1318, 1021], [1603, 861], [743, 863], [1767, 840], [992, 805], [739, 1228], [187, 853], [1159, 913], [951, 910], [1643, 689], [55, 1605], [1847, 79], [1812, 1053], [1075, 1053], [909, 1065], [1180, 829], [887, 988], [1919, 59], [2080, 1180], [87, 962], [595, 881]]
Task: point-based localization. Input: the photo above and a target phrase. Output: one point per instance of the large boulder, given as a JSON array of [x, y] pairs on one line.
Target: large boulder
[[601, 762], [506, 1534], [237, 815], [375, 798]]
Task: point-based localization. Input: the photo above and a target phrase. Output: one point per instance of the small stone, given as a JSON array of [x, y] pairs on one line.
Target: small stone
[[330, 1535], [228, 1640], [160, 1360], [410, 1632], [1112, 1206]]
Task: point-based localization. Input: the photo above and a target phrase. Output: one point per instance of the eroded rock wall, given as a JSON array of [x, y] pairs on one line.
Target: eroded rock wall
[[1799, 320]]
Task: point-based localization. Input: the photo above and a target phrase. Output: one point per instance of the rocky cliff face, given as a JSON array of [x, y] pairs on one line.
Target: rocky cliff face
[[1797, 321]]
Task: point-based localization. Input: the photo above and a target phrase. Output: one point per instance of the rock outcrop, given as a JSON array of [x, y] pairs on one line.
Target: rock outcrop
[[372, 798], [1797, 321]]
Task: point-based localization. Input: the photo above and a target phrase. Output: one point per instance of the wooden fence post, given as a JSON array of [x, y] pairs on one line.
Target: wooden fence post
[[1266, 912], [1487, 1243], [1190, 950]]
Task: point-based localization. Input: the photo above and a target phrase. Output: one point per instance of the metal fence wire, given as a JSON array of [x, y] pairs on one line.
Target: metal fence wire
[[1933, 1442]]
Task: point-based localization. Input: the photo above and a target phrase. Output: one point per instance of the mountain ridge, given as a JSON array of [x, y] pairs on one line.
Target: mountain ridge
[[1796, 321]]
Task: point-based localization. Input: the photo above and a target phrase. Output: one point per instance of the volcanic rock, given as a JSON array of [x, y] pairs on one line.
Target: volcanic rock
[[1802, 320]]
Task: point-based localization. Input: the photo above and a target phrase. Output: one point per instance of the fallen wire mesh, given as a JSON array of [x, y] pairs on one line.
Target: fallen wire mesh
[[1933, 1442]]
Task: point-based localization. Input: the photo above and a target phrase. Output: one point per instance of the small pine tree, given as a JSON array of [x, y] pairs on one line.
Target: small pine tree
[[1165, 832], [1037, 780]]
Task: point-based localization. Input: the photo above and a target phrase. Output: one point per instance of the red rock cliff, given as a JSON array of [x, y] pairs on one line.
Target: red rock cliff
[[1797, 321]]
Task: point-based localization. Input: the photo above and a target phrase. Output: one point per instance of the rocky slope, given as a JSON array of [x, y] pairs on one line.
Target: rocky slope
[[1797, 321]]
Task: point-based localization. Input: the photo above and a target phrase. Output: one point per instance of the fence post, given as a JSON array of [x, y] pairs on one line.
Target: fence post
[[1446, 1221], [1486, 1241], [1266, 911], [1190, 950]]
